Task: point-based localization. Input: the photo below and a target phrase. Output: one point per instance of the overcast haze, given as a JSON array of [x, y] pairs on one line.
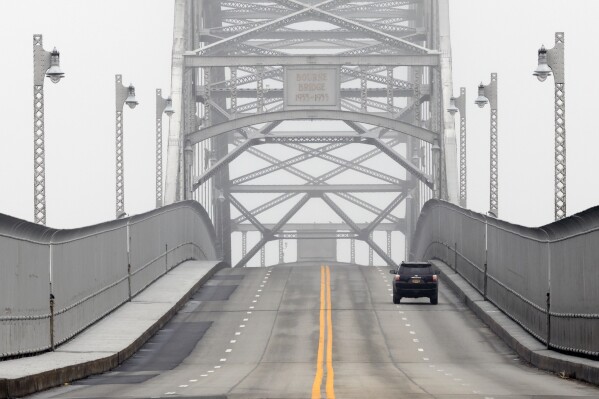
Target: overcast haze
[[100, 39]]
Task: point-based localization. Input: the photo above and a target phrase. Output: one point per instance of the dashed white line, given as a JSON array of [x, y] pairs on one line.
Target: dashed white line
[[233, 341], [416, 340], [211, 371], [170, 393], [251, 307], [223, 359], [404, 318], [193, 380], [203, 375], [229, 350], [237, 333], [242, 326], [183, 386], [217, 367], [420, 350]]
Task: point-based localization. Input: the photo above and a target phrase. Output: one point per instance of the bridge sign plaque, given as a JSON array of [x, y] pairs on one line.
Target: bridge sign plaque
[[311, 87]]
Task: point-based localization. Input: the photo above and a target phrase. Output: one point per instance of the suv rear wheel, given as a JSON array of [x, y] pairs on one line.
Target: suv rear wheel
[[435, 299], [396, 299]]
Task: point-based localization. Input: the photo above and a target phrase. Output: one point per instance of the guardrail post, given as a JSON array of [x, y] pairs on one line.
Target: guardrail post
[[485, 283], [455, 256], [52, 321], [548, 319], [129, 259]]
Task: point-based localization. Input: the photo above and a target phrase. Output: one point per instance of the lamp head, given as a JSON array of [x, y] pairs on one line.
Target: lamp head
[[452, 108], [481, 100], [54, 72], [131, 101], [543, 70], [168, 110], [221, 197]]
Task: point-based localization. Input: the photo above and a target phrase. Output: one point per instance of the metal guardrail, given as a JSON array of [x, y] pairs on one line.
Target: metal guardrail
[[55, 283], [543, 278]]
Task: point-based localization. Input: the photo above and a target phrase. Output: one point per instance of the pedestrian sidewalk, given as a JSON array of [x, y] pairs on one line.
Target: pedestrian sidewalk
[[111, 340], [524, 344]]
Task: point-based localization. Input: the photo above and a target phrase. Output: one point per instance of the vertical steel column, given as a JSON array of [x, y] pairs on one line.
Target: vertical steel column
[[458, 104], [370, 252], [162, 106], [352, 256], [260, 88], [244, 243], [159, 110], [390, 91], [281, 252], [208, 94], [552, 60], [45, 63], [233, 111], [41, 58], [488, 94], [389, 243], [363, 90], [121, 93], [463, 153], [263, 254]]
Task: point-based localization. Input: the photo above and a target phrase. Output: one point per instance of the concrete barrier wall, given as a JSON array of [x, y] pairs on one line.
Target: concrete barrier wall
[[56, 283], [544, 278]]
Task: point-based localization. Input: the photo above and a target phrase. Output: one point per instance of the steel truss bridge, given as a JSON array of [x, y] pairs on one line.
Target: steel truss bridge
[[389, 67]]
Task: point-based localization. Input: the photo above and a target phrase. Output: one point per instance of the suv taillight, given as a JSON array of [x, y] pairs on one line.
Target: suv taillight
[[434, 278], [397, 277]]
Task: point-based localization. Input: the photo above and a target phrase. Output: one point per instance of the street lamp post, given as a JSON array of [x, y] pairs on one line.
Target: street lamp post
[[162, 106], [458, 104], [45, 64], [123, 95], [552, 60], [488, 94]]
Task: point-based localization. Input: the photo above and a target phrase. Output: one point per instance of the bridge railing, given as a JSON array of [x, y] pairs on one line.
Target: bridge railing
[[543, 278], [55, 283]]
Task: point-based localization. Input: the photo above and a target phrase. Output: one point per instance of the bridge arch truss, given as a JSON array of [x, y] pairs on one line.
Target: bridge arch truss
[[392, 63]]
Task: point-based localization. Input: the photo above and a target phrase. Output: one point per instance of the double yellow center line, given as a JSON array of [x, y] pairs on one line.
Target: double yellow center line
[[325, 310]]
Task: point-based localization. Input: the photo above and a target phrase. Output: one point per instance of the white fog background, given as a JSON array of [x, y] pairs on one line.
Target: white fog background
[[98, 39]]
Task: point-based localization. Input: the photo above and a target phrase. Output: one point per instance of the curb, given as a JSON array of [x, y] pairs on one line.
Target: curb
[[526, 346], [18, 387]]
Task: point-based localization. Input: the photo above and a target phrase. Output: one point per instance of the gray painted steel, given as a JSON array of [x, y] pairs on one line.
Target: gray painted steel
[[86, 270], [544, 278]]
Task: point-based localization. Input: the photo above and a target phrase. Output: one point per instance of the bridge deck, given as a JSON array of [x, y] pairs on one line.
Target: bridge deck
[[255, 332]]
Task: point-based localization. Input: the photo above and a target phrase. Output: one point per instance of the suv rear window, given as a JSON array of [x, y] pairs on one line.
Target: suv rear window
[[413, 270]]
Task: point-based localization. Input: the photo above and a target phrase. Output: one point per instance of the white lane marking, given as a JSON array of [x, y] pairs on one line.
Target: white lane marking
[[245, 319], [404, 318], [237, 333], [193, 380], [204, 375], [389, 289], [416, 340], [264, 282], [261, 285], [228, 350], [242, 326], [413, 332], [400, 312], [266, 278], [223, 360], [448, 374], [233, 341], [254, 301], [425, 359], [420, 350], [211, 371], [170, 393], [457, 379], [259, 290], [249, 312], [183, 386], [216, 367], [408, 325], [251, 307], [257, 295]]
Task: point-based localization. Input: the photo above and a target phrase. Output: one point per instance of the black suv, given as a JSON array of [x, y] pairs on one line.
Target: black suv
[[414, 280]]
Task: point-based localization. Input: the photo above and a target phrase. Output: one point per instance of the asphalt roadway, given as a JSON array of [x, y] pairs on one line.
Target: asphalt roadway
[[322, 332]]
